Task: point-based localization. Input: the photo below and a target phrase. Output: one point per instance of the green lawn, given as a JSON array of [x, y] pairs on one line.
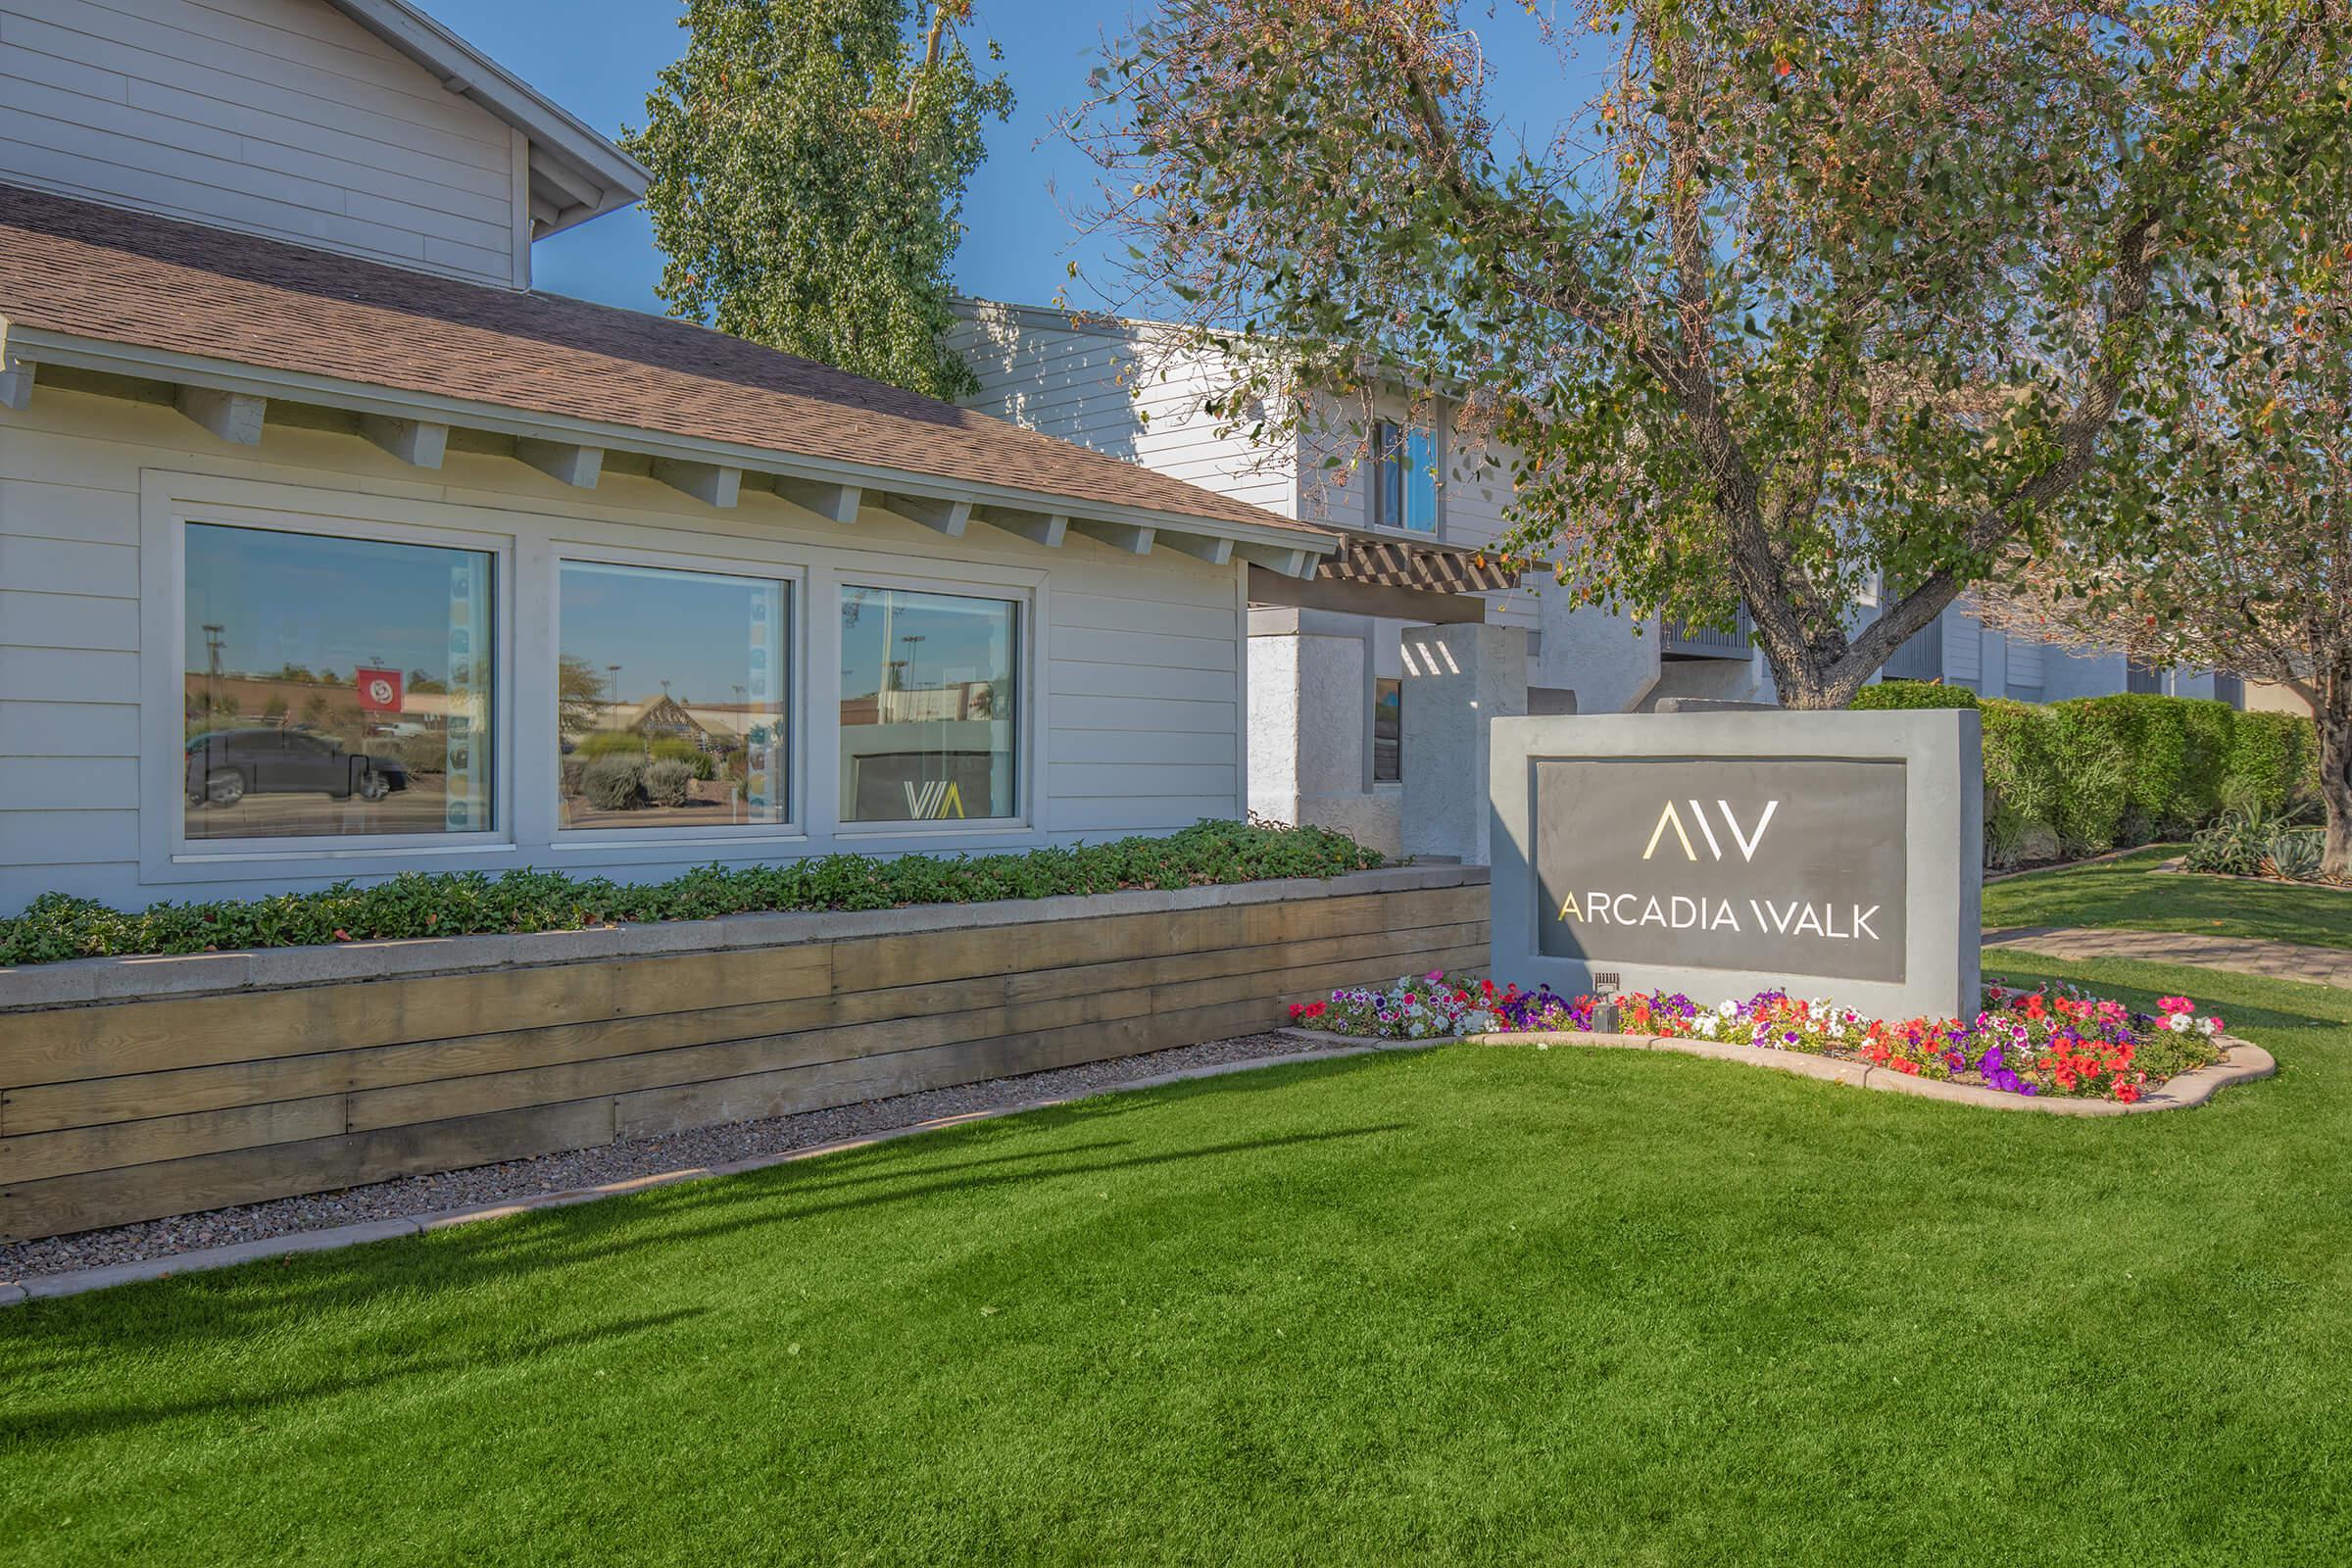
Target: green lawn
[[1473, 1304], [2131, 894]]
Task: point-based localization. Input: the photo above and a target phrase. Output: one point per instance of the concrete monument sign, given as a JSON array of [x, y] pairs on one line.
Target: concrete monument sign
[[1717, 854]]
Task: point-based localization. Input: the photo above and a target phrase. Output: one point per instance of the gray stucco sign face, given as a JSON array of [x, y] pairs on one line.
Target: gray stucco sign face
[[1792, 865], [1720, 854]]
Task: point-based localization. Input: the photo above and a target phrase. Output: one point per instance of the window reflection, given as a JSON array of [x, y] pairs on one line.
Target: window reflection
[[928, 699], [1404, 484], [334, 686], [1388, 731], [670, 697]]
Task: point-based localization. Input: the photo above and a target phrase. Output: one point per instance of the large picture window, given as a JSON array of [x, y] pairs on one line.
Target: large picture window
[[335, 686], [927, 706], [670, 697]]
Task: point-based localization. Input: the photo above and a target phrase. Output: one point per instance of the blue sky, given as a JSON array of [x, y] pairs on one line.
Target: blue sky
[[599, 59]]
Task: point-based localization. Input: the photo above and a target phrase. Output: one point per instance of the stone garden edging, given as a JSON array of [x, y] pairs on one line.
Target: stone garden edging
[[2242, 1062]]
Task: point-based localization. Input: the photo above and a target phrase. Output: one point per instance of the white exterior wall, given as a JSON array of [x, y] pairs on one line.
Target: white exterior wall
[[1120, 393], [1134, 696], [280, 117]]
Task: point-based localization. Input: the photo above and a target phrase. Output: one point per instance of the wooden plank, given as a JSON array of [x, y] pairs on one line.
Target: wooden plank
[[50, 1206], [431, 1101], [817, 1085], [45, 1107], [157, 1138], [1000, 949], [57, 1046], [84, 1201]]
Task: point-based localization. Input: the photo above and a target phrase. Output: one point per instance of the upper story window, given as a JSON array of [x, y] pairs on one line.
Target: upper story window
[[334, 687], [1404, 478]]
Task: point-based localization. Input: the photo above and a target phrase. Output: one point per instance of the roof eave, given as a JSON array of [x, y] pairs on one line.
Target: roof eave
[[1295, 549]]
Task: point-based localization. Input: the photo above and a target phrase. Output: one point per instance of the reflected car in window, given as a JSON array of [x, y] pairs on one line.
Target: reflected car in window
[[226, 766]]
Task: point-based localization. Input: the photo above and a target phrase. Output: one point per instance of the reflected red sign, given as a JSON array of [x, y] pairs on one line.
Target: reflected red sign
[[379, 690]]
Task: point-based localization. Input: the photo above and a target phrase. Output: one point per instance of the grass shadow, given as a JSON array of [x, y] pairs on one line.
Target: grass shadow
[[67, 1423]]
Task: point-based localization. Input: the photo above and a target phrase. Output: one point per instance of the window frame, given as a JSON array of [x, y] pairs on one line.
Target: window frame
[[1390, 447], [794, 578], [167, 509], [1029, 702]]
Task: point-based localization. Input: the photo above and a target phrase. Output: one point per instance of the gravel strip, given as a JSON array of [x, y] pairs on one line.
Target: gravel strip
[[609, 1163]]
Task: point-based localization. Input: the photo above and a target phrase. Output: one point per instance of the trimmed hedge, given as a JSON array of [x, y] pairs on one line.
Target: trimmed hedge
[[2095, 773], [1914, 694], [416, 904]]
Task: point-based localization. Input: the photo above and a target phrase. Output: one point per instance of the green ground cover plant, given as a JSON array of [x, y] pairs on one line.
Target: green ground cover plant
[[419, 905], [2129, 894], [1469, 1304]]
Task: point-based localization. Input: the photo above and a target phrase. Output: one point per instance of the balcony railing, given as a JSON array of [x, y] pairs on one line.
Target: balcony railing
[[1700, 641], [1921, 657]]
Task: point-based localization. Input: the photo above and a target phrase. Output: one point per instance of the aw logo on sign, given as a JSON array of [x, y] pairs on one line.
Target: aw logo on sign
[[1673, 817]]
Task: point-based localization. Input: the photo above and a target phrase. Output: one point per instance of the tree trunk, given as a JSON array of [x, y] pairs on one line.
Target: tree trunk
[[2335, 777]]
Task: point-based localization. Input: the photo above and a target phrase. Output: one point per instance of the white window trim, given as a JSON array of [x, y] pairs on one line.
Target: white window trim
[[528, 537], [1029, 703], [169, 503], [1436, 430], [791, 833]]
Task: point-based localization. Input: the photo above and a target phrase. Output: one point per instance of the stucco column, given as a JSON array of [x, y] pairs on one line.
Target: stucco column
[[1308, 694], [1457, 680]]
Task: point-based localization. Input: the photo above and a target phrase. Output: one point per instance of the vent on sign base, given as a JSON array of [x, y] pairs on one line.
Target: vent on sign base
[[1606, 982]]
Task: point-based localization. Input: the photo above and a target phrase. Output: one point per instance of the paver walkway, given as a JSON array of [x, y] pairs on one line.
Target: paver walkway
[[2276, 961]]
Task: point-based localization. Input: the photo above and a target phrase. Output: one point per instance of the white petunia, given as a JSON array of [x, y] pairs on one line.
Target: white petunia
[[1706, 1024], [2209, 1027], [2179, 1023], [1726, 1010]]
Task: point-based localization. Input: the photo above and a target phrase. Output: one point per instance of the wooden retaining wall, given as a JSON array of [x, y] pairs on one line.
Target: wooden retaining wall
[[113, 1112]]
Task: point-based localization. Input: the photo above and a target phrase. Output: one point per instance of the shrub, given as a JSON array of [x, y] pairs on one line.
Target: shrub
[[670, 748], [417, 904], [571, 774], [2248, 841], [2273, 761], [611, 743], [2081, 777], [669, 782], [2021, 777], [2208, 727], [613, 783], [1914, 694]]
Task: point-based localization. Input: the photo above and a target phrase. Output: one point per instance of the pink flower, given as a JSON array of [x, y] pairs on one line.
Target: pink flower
[[2175, 1005]]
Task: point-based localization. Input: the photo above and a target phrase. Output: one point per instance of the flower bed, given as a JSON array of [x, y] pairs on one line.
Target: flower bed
[[2055, 1041]]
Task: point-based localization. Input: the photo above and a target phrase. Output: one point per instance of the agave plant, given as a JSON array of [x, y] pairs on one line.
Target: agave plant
[[2296, 853], [2235, 845]]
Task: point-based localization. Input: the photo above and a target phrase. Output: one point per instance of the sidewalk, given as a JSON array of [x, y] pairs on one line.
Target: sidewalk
[[2276, 961]]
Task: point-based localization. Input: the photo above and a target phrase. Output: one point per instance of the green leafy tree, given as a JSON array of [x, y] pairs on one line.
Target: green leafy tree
[[2250, 567], [581, 699], [809, 158], [1824, 303]]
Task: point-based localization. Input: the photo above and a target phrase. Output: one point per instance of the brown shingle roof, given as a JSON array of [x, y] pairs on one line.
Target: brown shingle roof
[[94, 272]]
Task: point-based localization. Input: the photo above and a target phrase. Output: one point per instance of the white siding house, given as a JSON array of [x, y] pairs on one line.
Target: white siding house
[[293, 120], [1321, 681], [328, 551]]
